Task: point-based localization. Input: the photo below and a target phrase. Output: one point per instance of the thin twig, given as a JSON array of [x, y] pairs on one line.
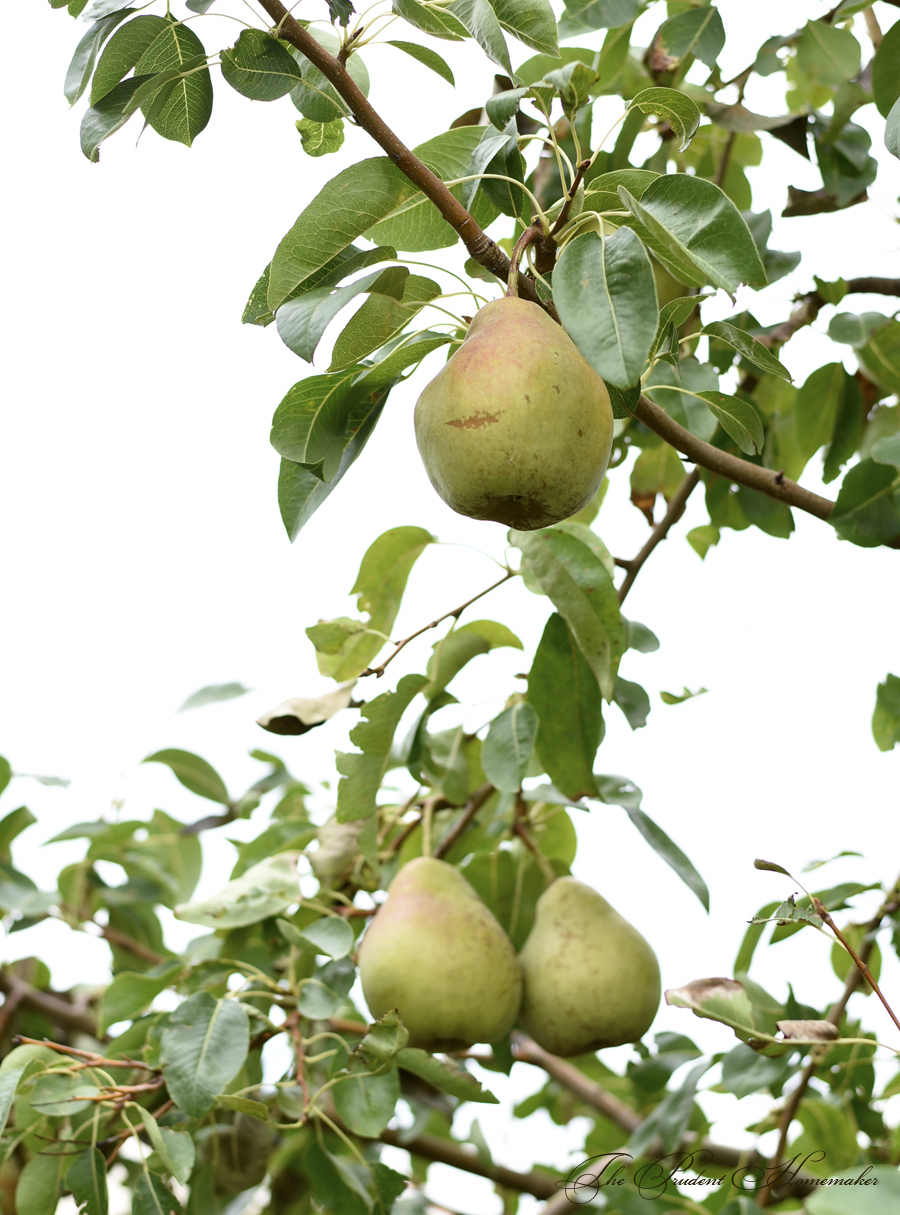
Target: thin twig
[[659, 533], [90, 1058], [472, 806], [822, 910], [528, 237], [55, 1009], [854, 979], [455, 614]]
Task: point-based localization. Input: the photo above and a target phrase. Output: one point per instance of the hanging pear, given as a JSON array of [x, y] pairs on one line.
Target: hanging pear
[[517, 426], [590, 978], [436, 954]]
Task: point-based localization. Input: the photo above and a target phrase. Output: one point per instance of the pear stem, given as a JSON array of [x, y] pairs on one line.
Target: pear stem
[[473, 805], [525, 836], [528, 237]]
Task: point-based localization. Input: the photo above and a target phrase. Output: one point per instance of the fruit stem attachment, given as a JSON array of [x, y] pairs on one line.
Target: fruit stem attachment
[[528, 237]]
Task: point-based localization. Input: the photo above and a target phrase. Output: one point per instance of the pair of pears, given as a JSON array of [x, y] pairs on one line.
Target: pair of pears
[[585, 979], [517, 427]]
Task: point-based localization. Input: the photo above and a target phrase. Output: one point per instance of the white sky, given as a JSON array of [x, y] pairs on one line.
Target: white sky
[[145, 558]]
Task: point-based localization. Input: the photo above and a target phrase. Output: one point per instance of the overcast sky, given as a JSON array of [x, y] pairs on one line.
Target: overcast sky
[[144, 555]]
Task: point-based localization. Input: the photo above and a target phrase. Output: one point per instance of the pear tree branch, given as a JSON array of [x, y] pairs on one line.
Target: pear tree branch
[[455, 614], [659, 533]]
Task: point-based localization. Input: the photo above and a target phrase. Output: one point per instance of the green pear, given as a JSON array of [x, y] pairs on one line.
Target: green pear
[[517, 426], [591, 980], [435, 953]]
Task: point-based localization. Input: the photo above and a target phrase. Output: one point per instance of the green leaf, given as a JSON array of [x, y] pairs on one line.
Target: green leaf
[[380, 584], [633, 701], [738, 419], [435, 21], [320, 138], [460, 646], [153, 1197], [174, 1148], [582, 590], [880, 357], [415, 224], [674, 389], [827, 54], [189, 106], [123, 51], [745, 1072], [335, 1186], [849, 1199], [480, 21], [696, 232], [506, 752], [130, 994], [302, 321], [817, 408], [669, 1119], [431, 59], [867, 511], [672, 698], [17, 821], [886, 718], [381, 319], [109, 114], [213, 693], [445, 1074], [531, 21], [244, 1105], [193, 772], [331, 935], [749, 347], [203, 1048], [698, 32], [892, 130], [362, 774], [343, 209], [885, 450], [603, 14], [6, 774], [679, 110], [564, 692], [82, 64], [670, 853], [366, 1102], [263, 890], [259, 67], [86, 1178], [384, 1039], [606, 298], [573, 83], [848, 429], [315, 96], [59, 1094], [855, 330], [9, 1082], [37, 1189]]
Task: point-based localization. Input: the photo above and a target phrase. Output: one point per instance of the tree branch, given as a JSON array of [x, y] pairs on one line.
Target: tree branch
[[473, 805], [854, 980], [445, 1151], [455, 613], [775, 484], [53, 1007], [659, 533], [480, 246]]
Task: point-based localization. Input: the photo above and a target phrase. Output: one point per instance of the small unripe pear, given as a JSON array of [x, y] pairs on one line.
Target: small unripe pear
[[436, 954], [517, 426], [591, 980]]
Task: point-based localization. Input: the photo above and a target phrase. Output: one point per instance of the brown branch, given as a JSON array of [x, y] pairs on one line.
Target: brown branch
[[55, 1009], [445, 1151], [659, 533], [774, 484], [480, 246], [88, 1058], [122, 939], [861, 966], [472, 806], [873, 28], [455, 614], [854, 980], [811, 303], [722, 172]]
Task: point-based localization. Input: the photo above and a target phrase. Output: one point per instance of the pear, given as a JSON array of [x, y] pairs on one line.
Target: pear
[[435, 953], [591, 980], [517, 426]]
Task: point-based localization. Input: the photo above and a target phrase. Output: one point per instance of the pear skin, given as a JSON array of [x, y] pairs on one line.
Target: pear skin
[[436, 954], [591, 980], [517, 426]]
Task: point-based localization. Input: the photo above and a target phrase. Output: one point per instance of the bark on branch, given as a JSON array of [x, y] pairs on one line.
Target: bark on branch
[[480, 246], [775, 484], [54, 1008]]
